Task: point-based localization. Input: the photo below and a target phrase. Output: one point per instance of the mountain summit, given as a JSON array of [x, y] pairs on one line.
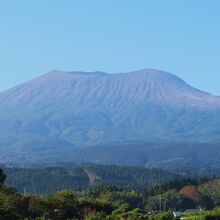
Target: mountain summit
[[141, 87], [62, 111]]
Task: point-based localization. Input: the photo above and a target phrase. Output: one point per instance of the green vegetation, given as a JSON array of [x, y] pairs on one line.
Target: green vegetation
[[45, 180], [108, 201], [204, 215], [49, 180]]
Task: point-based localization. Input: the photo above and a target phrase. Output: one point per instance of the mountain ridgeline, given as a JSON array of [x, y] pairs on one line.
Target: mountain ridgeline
[[66, 116]]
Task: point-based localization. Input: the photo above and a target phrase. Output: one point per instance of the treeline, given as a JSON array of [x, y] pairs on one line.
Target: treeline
[[136, 177], [45, 180], [107, 202], [176, 184], [49, 180]]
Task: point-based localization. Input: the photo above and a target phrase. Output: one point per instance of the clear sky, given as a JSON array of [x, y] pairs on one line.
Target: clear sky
[[179, 36]]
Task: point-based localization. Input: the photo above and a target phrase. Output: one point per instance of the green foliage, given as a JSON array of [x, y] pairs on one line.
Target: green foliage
[[175, 184], [96, 216], [2, 177], [211, 192], [169, 200], [49, 180], [12, 204], [125, 212], [108, 201], [163, 216], [206, 215], [45, 180]]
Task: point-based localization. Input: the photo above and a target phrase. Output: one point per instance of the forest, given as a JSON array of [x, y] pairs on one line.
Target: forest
[[48, 180], [89, 192]]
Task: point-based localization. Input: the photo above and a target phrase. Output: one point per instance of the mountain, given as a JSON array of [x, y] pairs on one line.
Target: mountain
[[53, 116]]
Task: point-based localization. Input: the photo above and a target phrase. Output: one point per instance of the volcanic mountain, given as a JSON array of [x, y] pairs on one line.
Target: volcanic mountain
[[59, 112]]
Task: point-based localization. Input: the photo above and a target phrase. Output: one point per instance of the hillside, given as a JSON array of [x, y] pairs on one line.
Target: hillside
[[53, 116]]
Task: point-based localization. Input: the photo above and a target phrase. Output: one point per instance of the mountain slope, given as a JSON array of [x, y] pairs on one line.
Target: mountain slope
[[52, 115]]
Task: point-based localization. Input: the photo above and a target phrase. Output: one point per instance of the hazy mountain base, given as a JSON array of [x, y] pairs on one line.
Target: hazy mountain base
[[83, 125], [163, 155]]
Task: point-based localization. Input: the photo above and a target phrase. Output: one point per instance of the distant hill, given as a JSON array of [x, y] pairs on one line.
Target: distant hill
[[51, 118]]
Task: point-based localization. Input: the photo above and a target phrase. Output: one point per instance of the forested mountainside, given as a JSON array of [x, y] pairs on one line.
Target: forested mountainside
[[59, 112], [51, 179], [47, 180]]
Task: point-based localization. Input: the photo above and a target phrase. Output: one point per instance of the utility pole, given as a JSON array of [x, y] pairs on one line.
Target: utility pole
[[164, 205]]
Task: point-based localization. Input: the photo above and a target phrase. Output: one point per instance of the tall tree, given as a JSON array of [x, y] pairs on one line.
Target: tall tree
[[2, 177]]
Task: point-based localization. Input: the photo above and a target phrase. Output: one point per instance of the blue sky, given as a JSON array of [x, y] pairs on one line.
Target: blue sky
[[181, 37]]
